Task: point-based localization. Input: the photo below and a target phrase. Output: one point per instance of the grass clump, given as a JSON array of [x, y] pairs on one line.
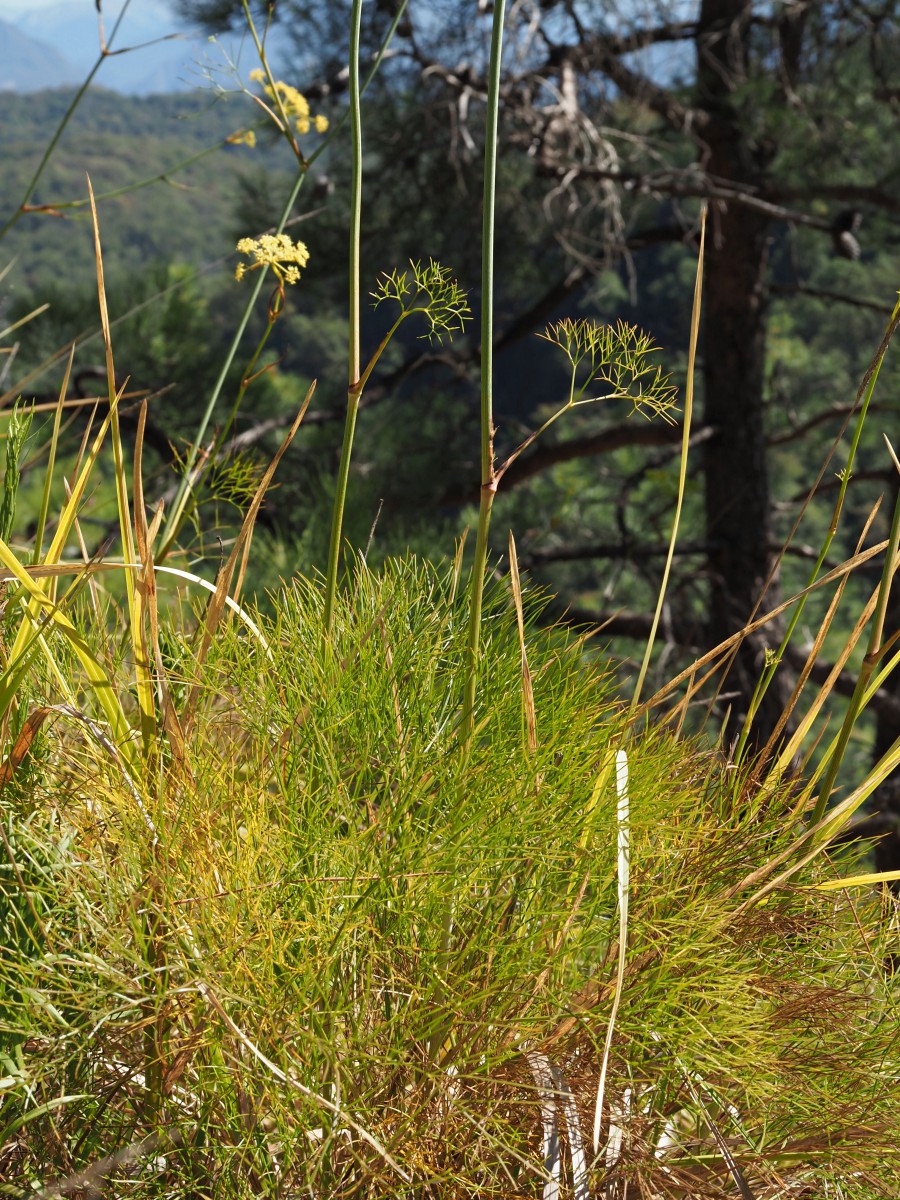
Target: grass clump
[[354, 956]]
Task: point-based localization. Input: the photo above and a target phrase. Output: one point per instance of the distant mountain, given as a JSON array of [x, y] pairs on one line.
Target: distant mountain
[[170, 58], [28, 64]]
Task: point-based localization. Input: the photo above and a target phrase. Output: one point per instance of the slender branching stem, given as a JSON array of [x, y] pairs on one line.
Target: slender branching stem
[[354, 389], [488, 477], [281, 118], [190, 477], [60, 129], [54, 206]]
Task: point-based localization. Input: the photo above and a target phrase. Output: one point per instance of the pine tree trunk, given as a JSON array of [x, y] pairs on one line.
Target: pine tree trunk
[[737, 496]]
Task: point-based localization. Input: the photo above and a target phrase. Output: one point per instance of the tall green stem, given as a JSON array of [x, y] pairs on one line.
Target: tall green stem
[[188, 479], [354, 385], [488, 473]]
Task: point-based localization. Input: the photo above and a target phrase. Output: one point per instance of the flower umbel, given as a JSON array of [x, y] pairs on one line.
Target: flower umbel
[[243, 137], [429, 290], [619, 357], [275, 250], [293, 103]]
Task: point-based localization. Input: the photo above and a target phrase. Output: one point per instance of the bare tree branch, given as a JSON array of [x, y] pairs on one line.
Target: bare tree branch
[[622, 623], [687, 184], [600, 550], [801, 289], [603, 54], [848, 193], [836, 412], [627, 433], [635, 552]]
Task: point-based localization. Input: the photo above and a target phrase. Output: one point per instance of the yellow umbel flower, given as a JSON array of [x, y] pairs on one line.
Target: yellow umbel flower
[[275, 250], [243, 137], [294, 103]]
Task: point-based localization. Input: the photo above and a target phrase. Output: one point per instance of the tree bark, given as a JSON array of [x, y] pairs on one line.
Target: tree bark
[[737, 498]]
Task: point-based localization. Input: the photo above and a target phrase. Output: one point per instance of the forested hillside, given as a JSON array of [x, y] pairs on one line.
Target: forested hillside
[[120, 141]]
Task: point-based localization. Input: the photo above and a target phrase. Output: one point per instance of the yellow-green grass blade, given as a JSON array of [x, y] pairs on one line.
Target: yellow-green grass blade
[[51, 462], [60, 538], [136, 600], [850, 881], [97, 675], [682, 472]]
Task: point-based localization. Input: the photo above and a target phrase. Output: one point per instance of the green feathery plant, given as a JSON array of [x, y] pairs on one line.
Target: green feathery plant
[[429, 291]]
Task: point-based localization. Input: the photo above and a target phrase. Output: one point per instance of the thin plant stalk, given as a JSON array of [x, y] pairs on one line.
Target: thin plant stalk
[[61, 128], [353, 364], [488, 471], [281, 119], [55, 206], [276, 307], [188, 480], [682, 473]]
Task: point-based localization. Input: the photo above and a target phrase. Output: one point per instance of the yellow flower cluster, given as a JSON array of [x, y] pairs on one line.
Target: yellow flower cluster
[[275, 250], [243, 137], [294, 103]]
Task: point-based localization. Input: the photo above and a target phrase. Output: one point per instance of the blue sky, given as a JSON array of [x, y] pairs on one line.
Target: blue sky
[[69, 28], [13, 8]]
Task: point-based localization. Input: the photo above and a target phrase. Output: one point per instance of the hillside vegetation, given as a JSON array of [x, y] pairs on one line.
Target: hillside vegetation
[[339, 858], [119, 141]]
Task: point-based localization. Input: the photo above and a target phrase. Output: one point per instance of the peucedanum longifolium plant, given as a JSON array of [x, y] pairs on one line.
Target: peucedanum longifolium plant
[[429, 291], [607, 363], [621, 357]]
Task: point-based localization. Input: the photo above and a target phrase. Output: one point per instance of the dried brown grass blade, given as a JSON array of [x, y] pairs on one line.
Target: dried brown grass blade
[[717, 654], [813, 655], [22, 745], [527, 687]]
